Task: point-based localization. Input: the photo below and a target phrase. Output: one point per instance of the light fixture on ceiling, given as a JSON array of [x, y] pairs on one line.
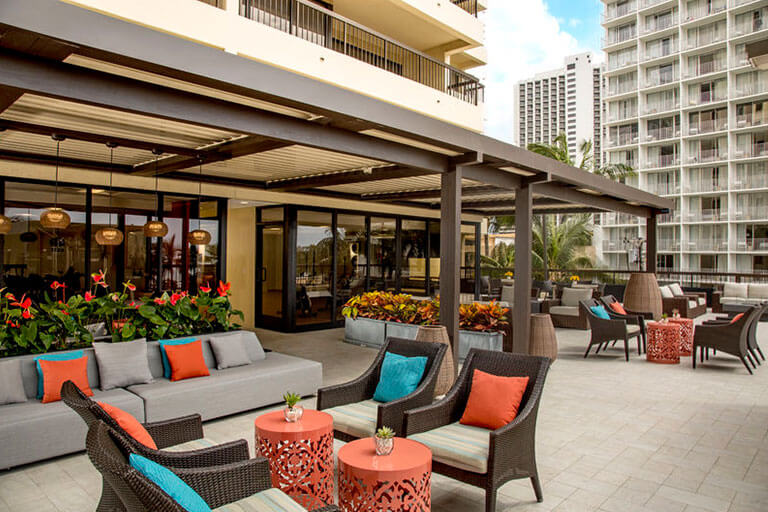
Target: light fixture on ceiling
[[110, 235], [55, 217], [156, 228], [199, 236]]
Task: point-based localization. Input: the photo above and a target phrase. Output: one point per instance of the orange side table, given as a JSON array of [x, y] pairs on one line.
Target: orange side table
[[686, 334], [663, 342], [383, 483], [300, 455]]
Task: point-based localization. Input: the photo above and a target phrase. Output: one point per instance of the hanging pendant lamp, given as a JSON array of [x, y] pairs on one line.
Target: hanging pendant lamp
[[110, 235], [156, 228], [199, 236], [55, 217]]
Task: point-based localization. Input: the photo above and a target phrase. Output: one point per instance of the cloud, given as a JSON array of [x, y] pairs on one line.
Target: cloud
[[574, 22], [523, 38]]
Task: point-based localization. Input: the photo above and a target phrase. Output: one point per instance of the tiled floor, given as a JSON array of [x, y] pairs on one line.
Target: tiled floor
[[612, 436]]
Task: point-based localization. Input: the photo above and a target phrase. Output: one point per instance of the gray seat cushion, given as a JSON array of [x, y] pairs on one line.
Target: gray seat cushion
[[31, 431], [564, 310], [736, 290], [692, 304], [232, 390], [572, 296], [702, 301], [122, 364], [270, 500], [633, 329], [460, 446], [11, 383], [758, 291], [356, 419]]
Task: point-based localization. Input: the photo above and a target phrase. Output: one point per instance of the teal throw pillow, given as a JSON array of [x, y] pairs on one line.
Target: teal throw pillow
[[65, 356], [171, 484], [163, 343], [400, 376], [600, 312]]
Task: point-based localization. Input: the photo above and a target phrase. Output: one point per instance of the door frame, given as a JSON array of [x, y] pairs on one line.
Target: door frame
[[260, 319]]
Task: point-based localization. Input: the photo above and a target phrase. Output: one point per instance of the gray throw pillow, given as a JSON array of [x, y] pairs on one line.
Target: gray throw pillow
[[122, 364], [11, 383], [229, 351]]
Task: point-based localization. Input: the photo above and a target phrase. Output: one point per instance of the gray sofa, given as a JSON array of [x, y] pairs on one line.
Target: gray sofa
[[33, 431], [742, 294]]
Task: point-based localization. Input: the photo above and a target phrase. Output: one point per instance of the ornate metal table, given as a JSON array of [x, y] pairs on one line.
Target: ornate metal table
[[663, 342], [300, 455], [400, 481], [686, 334]]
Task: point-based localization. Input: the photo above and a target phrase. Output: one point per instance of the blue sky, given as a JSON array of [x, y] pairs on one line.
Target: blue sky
[[525, 37]]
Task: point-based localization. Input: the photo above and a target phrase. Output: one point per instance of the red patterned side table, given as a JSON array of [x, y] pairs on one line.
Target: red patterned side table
[[686, 334], [382, 483], [300, 455], [663, 342]]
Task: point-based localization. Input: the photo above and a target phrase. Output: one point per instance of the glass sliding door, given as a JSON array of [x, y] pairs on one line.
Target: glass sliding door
[[383, 254], [351, 258], [269, 275], [413, 262], [314, 268]]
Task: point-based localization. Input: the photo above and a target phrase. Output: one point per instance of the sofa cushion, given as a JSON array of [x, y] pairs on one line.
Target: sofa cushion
[[55, 356], [572, 296], [122, 364], [758, 291], [692, 304], [399, 376], [356, 419], [33, 431], [564, 310], [461, 446], [11, 383], [186, 360], [56, 373], [508, 294], [600, 312], [676, 289], [271, 500], [167, 370], [229, 350], [736, 290], [702, 301], [493, 400], [633, 328], [130, 424], [732, 300], [232, 390], [666, 293]]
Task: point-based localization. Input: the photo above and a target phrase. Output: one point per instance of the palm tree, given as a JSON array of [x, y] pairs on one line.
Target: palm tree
[[558, 150]]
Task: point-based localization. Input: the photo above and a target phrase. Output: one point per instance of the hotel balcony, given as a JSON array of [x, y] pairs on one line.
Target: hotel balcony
[[708, 126], [657, 79], [739, 3], [613, 246], [621, 89], [663, 188], [658, 134], [661, 106], [614, 64], [668, 244], [644, 4], [622, 140], [750, 89], [659, 51], [750, 245], [615, 37], [707, 155], [754, 178], [705, 98], [617, 219], [704, 39], [705, 245], [748, 27], [703, 186], [659, 24], [703, 10], [757, 150], [615, 117], [706, 215], [706, 68], [662, 161], [614, 12], [750, 213], [669, 218]]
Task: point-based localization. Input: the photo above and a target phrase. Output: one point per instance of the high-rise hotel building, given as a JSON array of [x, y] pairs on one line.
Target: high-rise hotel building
[[684, 107]]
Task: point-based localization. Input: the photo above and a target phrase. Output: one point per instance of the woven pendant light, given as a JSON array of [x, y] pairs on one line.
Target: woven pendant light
[[156, 228], [55, 217], [110, 235], [199, 236]]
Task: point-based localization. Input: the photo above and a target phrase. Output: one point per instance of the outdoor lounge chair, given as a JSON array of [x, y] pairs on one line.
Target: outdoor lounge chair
[[631, 317], [752, 346], [184, 435], [357, 415], [688, 304], [246, 484], [604, 331], [484, 458], [731, 338]]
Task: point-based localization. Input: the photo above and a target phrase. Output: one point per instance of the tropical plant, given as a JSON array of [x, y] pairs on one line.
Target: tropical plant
[[482, 317], [558, 150], [385, 433], [291, 399]]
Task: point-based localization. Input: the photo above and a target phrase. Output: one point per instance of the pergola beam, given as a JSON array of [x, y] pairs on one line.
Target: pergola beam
[[577, 197], [431, 193], [34, 158], [344, 178], [510, 203]]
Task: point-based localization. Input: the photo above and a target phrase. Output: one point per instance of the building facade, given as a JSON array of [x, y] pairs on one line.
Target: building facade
[[565, 100], [685, 108]]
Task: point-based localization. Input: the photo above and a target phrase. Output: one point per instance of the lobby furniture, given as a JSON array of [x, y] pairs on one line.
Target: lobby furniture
[[398, 481], [357, 415], [565, 311], [663, 342], [688, 305], [245, 484], [25, 427], [543, 337], [604, 331], [300, 455], [734, 346], [686, 334], [632, 317], [739, 294], [510, 452], [642, 294]]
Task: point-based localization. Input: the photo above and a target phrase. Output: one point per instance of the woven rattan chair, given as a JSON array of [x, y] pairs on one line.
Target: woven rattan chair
[[738, 338], [752, 345], [354, 400], [632, 317], [168, 433], [511, 450], [603, 331], [217, 485]]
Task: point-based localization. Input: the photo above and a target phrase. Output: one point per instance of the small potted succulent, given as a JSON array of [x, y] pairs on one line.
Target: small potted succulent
[[385, 441], [293, 411]]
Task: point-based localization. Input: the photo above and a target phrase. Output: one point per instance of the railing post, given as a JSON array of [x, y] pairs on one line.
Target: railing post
[[291, 16]]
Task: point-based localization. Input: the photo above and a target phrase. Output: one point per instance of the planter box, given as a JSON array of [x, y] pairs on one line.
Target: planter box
[[398, 330], [365, 331], [482, 340]]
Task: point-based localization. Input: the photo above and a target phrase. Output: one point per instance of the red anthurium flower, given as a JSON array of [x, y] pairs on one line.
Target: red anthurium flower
[[12, 324], [175, 298], [193, 300], [89, 296], [159, 301], [205, 289], [56, 285], [115, 297], [27, 315], [10, 296], [223, 288], [184, 293], [98, 277], [24, 303], [65, 312], [130, 286], [103, 284]]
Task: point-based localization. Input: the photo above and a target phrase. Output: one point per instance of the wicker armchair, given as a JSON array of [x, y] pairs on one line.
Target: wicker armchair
[[687, 304], [511, 449], [632, 317], [604, 331], [752, 346], [731, 337], [165, 434], [217, 485], [354, 400]]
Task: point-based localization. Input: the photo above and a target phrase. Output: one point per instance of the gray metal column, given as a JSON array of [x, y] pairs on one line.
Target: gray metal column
[[651, 244], [522, 309], [450, 255], [545, 243]]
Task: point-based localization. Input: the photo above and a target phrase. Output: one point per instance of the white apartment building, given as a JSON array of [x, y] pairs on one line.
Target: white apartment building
[[564, 100], [683, 106]]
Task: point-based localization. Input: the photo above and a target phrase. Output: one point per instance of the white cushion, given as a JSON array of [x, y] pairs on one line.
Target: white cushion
[[572, 296], [459, 446], [270, 500], [508, 294], [692, 304], [736, 290], [564, 310], [632, 328], [357, 419], [666, 293], [702, 301], [732, 300], [758, 291], [676, 289]]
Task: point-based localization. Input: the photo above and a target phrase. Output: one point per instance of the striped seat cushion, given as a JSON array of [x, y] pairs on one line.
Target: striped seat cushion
[[357, 419], [197, 444], [271, 500], [457, 445]]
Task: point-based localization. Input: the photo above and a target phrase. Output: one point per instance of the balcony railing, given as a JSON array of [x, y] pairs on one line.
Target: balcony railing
[[753, 244], [616, 37], [706, 215], [654, 25], [661, 106], [613, 245], [613, 11], [468, 5], [704, 98], [750, 213], [756, 150], [704, 39], [738, 3], [663, 188], [707, 155], [706, 245], [621, 115], [697, 185], [668, 218], [747, 120], [662, 161], [701, 11], [614, 218], [623, 140], [748, 27], [658, 51], [753, 178], [624, 88], [621, 63], [707, 126], [748, 89], [325, 28], [667, 132], [705, 68], [658, 79], [668, 244], [649, 3]]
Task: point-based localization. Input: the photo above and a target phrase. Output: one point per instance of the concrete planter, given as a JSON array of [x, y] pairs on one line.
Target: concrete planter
[[398, 330], [481, 340], [365, 331]]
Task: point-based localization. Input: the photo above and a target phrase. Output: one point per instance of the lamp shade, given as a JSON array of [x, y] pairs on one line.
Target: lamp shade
[[5, 225], [55, 218], [109, 236], [155, 228], [199, 237]]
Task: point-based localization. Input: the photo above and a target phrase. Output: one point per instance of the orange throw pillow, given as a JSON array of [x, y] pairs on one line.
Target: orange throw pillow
[[56, 373], [493, 401], [130, 424], [737, 318], [618, 308], [186, 360]]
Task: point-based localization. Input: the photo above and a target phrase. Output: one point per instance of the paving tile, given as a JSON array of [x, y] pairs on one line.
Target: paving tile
[[690, 498]]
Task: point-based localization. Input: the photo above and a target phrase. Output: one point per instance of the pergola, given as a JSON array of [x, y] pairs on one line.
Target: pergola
[[97, 79]]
